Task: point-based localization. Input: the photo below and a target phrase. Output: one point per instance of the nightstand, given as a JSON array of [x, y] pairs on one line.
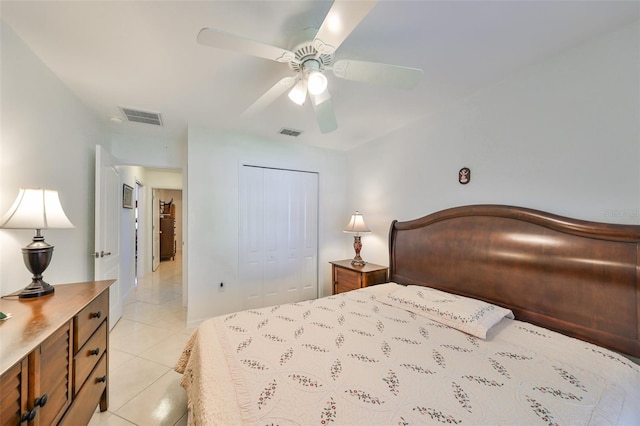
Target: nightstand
[[347, 277]]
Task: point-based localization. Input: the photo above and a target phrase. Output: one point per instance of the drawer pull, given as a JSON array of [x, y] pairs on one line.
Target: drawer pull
[[42, 401], [29, 416], [95, 351], [101, 379], [95, 314]]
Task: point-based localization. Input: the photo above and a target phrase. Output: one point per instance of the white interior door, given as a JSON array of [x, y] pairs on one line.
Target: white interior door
[[278, 236], [108, 199], [155, 213]]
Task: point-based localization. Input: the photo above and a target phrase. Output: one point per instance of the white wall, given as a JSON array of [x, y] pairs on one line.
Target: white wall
[[214, 159], [149, 151], [47, 139], [562, 136], [169, 179]]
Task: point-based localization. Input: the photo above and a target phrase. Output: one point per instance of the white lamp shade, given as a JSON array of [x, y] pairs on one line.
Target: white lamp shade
[[316, 82], [299, 92], [36, 208], [356, 224]]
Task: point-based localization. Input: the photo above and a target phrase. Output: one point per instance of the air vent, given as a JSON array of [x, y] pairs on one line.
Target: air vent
[[146, 117], [290, 132]]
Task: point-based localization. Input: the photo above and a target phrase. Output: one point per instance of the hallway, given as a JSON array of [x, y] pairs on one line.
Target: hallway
[[143, 348]]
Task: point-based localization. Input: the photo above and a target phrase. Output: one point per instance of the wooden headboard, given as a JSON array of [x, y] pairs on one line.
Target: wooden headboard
[[577, 277]]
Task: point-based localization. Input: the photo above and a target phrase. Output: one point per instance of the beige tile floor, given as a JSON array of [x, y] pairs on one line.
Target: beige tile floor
[[144, 346]]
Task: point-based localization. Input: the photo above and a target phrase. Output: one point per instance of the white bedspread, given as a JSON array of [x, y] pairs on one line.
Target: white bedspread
[[352, 360]]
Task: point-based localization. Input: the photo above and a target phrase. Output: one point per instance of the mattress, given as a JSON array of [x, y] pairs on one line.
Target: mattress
[[352, 359]]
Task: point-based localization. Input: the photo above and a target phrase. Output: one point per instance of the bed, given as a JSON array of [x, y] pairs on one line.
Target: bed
[[493, 315]]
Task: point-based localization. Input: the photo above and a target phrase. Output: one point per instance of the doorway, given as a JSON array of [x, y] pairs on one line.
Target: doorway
[[167, 225]]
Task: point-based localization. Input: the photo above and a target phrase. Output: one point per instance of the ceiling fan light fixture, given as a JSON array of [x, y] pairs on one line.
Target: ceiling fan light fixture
[[313, 53], [299, 92], [317, 82]]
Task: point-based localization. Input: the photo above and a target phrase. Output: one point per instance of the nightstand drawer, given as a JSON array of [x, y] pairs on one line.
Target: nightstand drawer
[[347, 279], [89, 355], [374, 277], [89, 319]]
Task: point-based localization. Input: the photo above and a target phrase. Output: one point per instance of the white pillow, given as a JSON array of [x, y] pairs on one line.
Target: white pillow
[[471, 316]]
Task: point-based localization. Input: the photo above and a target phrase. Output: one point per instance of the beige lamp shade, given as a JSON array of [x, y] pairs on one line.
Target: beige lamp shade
[[36, 208], [356, 225]]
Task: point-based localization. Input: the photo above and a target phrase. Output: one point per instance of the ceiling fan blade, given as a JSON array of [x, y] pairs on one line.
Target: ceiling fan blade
[[320, 97], [223, 40], [270, 95], [324, 112], [383, 74], [341, 20]]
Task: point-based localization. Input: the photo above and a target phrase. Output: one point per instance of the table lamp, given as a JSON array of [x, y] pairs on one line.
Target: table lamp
[[356, 226], [38, 209]]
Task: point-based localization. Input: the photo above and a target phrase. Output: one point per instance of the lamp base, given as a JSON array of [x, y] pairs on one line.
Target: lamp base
[[357, 246], [36, 289], [37, 257]]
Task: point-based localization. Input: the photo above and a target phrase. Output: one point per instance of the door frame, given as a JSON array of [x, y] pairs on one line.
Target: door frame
[[107, 239]]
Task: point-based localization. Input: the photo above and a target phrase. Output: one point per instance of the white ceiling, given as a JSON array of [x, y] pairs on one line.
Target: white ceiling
[[144, 54]]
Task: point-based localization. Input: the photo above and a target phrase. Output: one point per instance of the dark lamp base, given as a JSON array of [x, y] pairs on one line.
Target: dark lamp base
[[37, 257], [36, 289]]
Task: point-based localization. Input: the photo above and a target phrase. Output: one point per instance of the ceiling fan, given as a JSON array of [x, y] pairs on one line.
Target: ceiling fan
[[312, 57]]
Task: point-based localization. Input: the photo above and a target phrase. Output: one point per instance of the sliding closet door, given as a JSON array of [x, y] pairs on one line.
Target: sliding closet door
[[278, 236]]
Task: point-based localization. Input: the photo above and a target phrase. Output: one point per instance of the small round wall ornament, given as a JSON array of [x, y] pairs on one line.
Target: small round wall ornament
[[464, 175]]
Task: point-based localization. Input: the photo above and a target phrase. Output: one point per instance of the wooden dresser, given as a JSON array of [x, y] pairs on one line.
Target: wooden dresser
[[347, 277], [53, 356]]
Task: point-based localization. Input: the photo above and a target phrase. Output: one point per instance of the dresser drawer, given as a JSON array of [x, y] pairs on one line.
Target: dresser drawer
[[86, 401], [89, 355], [89, 319]]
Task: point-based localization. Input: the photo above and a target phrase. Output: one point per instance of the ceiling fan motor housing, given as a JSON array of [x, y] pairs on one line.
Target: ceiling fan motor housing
[[305, 52]]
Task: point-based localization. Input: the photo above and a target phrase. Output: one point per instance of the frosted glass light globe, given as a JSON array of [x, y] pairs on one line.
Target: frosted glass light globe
[[316, 82]]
